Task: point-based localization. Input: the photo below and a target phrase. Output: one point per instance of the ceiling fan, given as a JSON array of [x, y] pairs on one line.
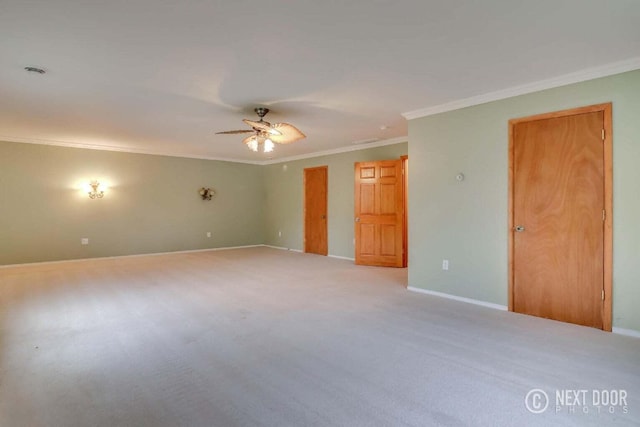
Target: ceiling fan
[[265, 133]]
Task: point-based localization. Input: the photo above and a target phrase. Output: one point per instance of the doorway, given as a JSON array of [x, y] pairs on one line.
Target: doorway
[[560, 216], [315, 210]]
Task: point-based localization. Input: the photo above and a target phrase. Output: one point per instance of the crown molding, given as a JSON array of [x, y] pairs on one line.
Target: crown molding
[[391, 141], [566, 79], [186, 156], [118, 149]]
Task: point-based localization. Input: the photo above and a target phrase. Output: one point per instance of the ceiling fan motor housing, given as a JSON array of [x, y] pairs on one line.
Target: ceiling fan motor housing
[[261, 111]]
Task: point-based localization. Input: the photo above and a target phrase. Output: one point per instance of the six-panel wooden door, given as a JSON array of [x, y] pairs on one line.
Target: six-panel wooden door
[[379, 209]]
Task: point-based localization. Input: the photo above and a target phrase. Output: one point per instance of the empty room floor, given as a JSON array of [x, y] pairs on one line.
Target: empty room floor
[[264, 337]]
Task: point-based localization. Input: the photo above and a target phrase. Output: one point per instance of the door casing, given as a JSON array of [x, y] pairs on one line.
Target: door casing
[[405, 214]]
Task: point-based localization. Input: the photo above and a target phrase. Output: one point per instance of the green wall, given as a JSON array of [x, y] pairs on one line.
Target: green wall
[[284, 192], [466, 222], [152, 204]]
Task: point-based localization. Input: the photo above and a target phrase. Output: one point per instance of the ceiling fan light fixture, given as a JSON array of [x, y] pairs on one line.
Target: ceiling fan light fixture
[[257, 143], [252, 144], [266, 135]]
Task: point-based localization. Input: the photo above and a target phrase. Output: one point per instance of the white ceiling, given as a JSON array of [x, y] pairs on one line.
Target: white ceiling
[[162, 76]]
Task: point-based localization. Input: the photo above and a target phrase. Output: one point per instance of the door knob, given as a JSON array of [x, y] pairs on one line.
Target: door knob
[[357, 219], [324, 217], [519, 228]]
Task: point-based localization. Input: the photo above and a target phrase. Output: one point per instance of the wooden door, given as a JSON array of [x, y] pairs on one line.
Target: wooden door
[[379, 213], [315, 210], [558, 216]]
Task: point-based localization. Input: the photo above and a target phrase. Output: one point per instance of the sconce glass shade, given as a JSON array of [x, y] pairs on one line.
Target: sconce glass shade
[[96, 192]]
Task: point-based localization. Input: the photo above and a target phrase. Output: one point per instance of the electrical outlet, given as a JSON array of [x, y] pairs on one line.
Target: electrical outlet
[[84, 241], [445, 264], [208, 234], [279, 233]]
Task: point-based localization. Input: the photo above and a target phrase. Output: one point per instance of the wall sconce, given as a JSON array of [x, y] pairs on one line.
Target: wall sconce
[[96, 192], [206, 193]]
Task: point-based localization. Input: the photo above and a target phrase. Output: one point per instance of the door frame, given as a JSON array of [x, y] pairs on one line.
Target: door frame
[[304, 209], [608, 200], [405, 214]]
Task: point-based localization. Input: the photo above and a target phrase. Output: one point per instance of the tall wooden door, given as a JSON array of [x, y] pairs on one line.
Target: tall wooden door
[[558, 216], [379, 213], [315, 210]]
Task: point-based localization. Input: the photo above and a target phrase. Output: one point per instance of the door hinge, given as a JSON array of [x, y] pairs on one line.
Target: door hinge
[[604, 214], [603, 134], [603, 295]]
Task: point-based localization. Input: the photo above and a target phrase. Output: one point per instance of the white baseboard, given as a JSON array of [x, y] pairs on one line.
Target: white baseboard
[[341, 257], [62, 261], [282, 248], [457, 298], [627, 332], [226, 248], [298, 250], [620, 331]]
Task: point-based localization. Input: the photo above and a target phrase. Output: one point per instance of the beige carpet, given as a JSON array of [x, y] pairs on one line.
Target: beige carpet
[[259, 336]]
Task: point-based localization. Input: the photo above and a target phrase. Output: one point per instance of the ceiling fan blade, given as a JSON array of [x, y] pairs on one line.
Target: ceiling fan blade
[[288, 133], [233, 132], [263, 126], [249, 138]]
